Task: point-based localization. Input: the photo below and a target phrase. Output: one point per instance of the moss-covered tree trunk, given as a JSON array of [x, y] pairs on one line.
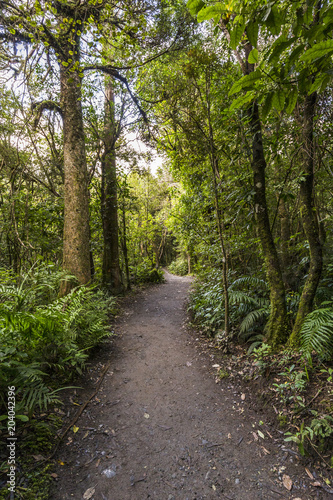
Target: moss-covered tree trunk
[[76, 257], [309, 220], [109, 206], [277, 331], [284, 241]]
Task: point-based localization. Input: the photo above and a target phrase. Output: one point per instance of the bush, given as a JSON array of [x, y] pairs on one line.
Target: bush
[[178, 267], [145, 272], [248, 306], [42, 334]]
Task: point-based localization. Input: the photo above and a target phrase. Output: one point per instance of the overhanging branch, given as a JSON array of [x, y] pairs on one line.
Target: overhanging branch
[[42, 106], [109, 70]]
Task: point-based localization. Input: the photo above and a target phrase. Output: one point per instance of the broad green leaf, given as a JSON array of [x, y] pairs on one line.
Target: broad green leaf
[[241, 100], [314, 33], [267, 106], [278, 49], [308, 15], [246, 81], [320, 83], [210, 12], [237, 87], [194, 6], [274, 21], [295, 53], [253, 56], [278, 100], [252, 33], [292, 100], [23, 418], [236, 35], [319, 50]]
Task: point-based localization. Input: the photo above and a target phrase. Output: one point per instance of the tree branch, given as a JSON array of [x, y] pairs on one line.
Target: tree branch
[[42, 106]]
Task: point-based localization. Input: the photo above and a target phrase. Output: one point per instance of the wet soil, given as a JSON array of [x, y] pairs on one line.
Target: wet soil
[[161, 428]]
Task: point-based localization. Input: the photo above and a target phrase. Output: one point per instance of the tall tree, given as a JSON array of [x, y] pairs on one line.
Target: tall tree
[[109, 198]]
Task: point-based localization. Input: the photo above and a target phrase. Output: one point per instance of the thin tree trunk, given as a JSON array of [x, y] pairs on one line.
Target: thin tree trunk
[[277, 331], [218, 211], [309, 220], [109, 206], [76, 258], [125, 252]]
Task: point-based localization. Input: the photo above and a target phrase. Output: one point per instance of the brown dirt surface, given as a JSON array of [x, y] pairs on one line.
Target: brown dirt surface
[[161, 428]]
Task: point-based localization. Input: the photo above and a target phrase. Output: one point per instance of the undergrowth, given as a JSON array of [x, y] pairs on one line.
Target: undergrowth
[[43, 341], [291, 378], [178, 267]]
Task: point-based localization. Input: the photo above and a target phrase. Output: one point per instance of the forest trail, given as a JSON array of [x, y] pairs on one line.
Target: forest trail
[[160, 427]]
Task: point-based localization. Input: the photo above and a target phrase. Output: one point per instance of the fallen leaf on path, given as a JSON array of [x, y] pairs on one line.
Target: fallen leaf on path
[[214, 487], [255, 436], [309, 473], [75, 429], [261, 434], [70, 440], [229, 436], [89, 493], [287, 482], [243, 397], [60, 462], [98, 462], [54, 475], [216, 366], [38, 457], [317, 484], [146, 415], [265, 451], [188, 363], [86, 434]]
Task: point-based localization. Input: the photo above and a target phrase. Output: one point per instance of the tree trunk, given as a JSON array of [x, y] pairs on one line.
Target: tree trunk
[[218, 210], [125, 252], [309, 220], [277, 331], [109, 206], [284, 244], [76, 258]]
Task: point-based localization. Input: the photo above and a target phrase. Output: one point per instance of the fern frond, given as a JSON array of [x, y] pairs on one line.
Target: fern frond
[[252, 318], [250, 281], [317, 333]]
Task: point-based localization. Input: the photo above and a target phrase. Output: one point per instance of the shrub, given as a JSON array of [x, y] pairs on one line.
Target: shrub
[[178, 267], [145, 272], [41, 334]]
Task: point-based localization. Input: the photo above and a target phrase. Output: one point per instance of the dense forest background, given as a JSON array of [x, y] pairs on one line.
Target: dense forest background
[[236, 99]]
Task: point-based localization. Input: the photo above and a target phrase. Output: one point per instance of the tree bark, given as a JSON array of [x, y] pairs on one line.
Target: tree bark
[[109, 206], [124, 248], [76, 258], [309, 220], [277, 330]]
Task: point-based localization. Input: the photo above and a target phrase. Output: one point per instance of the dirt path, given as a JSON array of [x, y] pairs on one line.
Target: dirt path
[[161, 427]]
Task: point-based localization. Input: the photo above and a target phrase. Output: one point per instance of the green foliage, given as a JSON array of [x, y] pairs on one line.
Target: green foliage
[[179, 267], [317, 332], [145, 272], [293, 383], [249, 306], [40, 337], [319, 432], [261, 354]]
